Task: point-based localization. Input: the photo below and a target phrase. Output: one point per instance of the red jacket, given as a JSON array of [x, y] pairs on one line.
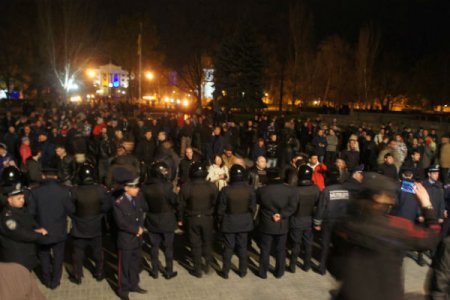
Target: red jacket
[[317, 176], [25, 152]]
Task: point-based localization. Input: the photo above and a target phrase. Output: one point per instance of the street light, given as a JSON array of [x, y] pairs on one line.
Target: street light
[[91, 73], [149, 75]]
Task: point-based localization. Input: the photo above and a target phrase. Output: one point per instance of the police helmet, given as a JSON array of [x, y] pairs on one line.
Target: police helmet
[[11, 175], [197, 170], [160, 170], [305, 174], [86, 174], [237, 173]]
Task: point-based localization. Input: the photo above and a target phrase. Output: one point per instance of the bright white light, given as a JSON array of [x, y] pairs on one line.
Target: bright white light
[[149, 75], [148, 97], [72, 86], [76, 98], [91, 73], [178, 101], [100, 92], [185, 103]]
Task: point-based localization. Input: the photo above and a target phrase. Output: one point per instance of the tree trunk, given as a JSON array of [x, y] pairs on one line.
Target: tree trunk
[[280, 104]]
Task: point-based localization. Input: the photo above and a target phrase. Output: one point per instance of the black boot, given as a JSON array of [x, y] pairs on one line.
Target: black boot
[[169, 273], [154, 270]]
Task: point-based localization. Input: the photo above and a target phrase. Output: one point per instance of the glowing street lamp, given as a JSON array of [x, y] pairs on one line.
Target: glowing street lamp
[[91, 73], [149, 75]]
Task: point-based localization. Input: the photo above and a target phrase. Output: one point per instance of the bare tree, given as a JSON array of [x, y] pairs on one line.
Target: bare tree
[[366, 53], [335, 68], [68, 38], [301, 66], [192, 75]]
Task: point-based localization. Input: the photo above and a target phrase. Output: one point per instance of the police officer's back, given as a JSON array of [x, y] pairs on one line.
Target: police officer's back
[[50, 204], [235, 209], [300, 223], [161, 219], [197, 200], [91, 203], [277, 204], [332, 207]]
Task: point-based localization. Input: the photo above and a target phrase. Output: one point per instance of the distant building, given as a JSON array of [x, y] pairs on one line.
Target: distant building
[[110, 80]]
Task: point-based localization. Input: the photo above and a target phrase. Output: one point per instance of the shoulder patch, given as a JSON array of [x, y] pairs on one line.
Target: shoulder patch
[[11, 224], [119, 200]]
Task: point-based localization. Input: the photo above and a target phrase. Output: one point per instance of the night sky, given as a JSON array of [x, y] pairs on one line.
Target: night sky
[[410, 28]]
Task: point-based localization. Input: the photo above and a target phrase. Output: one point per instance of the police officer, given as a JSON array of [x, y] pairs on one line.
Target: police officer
[[128, 212], [50, 204], [91, 203], [197, 200], [277, 204], [161, 220], [10, 177], [354, 183], [436, 192], [18, 230], [235, 209], [300, 223], [331, 208]]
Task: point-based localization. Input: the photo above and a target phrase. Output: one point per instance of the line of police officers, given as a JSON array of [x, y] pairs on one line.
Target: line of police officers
[[38, 217]]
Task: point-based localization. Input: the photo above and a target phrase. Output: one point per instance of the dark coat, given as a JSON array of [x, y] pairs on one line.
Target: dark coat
[[66, 168], [33, 171], [388, 170], [235, 208], [145, 150], [436, 193], [333, 204], [351, 158], [50, 204], [373, 253], [91, 203], [197, 197], [17, 237], [307, 198], [128, 219], [162, 206], [278, 198], [406, 206]]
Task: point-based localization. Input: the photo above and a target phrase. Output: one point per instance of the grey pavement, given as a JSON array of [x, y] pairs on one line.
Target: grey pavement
[[301, 285]]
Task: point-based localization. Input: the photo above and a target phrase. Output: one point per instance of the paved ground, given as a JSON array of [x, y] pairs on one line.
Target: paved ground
[[292, 286]]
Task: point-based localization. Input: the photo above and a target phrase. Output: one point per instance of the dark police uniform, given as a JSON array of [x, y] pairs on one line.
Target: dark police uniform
[[300, 224], [91, 203], [161, 221], [18, 238], [235, 209], [275, 198], [197, 200], [406, 205], [129, 216], [50, 204], [332, 207]]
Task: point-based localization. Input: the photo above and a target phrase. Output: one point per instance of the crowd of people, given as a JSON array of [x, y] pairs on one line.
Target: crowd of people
[[369, 194]]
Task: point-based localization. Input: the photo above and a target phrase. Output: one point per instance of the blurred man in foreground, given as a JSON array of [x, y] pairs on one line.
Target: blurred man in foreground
[[374, 242]]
